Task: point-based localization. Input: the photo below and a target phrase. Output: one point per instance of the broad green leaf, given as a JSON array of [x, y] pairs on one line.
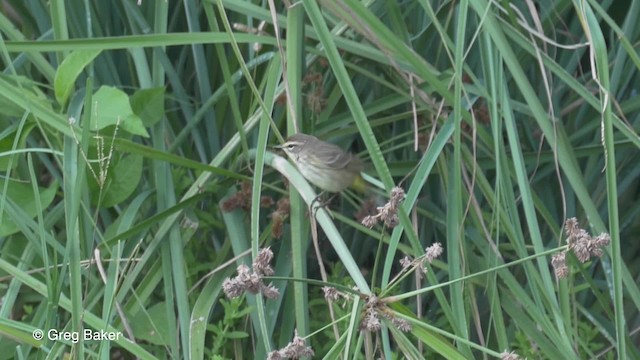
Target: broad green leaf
[[151, 325], [111, 107], [148, 104], [122, 178], [68, 72]]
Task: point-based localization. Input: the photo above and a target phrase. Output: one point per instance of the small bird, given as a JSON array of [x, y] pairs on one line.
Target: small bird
[[325, 165]]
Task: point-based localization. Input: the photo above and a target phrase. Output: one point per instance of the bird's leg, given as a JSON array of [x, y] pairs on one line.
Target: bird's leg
[[321, 203], [317, 199]]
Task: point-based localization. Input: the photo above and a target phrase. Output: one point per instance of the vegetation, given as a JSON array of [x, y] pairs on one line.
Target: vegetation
[[141, 199]]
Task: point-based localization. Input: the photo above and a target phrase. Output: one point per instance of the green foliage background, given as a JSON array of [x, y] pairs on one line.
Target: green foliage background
[[135, 157]]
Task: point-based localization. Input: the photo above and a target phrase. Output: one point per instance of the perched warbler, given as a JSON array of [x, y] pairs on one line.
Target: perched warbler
[[325, 165]]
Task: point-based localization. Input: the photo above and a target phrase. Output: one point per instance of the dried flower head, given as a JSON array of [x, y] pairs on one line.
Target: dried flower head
[[481, 112], [370, 322], [559, 264], [599, 242], [369, 221], [296, 349], [583, 245], [376, 308], [419, 264], [270, 292], [242, 199], [246, 280], [367, 208], [581, 250], [231, 203], [402, 324], [277, 225], [261, 262], [316, 100], [406, 261], [279, 216], [314, 89], [509, 356], [331, 293], [284, 206], [433, 252], [387, 213], [266, 201], [575, 234]]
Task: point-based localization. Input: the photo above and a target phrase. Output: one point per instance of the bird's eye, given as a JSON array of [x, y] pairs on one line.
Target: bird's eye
[[290, 146]]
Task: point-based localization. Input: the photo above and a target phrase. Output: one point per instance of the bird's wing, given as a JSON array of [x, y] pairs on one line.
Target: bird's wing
[[335, 158]]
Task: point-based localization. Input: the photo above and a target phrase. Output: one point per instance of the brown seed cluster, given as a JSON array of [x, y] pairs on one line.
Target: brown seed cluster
[[252, 281], [510, 356], [387, 213], [367, 208], [374, 309], [581, 243], [333, 294], [242, 199], [279, 216], [296, 349], [315, 98], [431, 253]]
